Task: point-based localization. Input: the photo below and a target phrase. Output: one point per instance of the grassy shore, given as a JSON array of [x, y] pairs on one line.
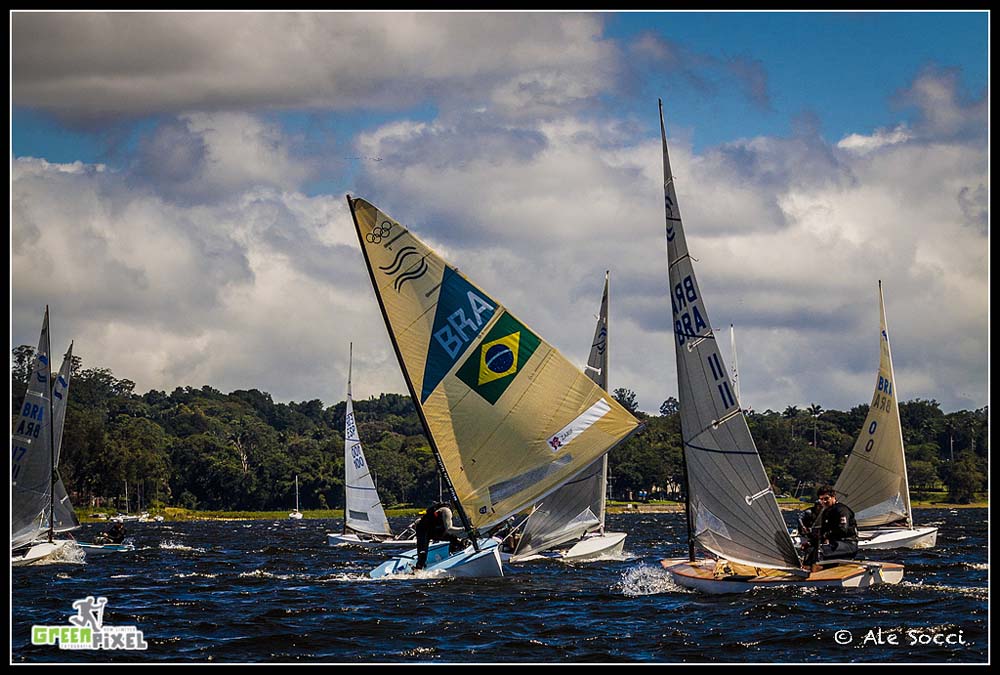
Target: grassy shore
[[173, 514]]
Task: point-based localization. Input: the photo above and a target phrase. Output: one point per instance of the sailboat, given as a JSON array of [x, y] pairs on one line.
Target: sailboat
[[40, 506], [509, 419], [575, 513], [365, 523], [296, 514], [874, 481], [731, 508]]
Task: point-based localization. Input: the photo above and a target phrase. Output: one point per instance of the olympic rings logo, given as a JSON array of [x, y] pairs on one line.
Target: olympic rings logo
[[378, 232]]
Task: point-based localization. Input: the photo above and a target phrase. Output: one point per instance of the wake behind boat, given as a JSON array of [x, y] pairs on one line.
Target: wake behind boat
[[731, 508], [509, 418]]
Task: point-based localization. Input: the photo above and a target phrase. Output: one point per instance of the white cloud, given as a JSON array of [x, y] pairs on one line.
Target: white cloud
[[863, 144]]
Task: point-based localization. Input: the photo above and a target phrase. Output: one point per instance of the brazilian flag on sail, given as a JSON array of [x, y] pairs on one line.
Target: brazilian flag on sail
[[494, 364]]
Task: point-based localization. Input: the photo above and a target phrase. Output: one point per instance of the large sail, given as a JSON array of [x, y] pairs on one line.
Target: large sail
[[363, 510], [509, 418], [578, 506], [873, 482], [31, 452], [731, 506], [65, 516]]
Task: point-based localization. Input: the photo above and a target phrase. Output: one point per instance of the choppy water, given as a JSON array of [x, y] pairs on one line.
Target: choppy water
[[273, 591]]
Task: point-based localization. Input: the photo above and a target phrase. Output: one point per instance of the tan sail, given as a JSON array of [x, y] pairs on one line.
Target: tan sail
[[873, 482], [509, 417]]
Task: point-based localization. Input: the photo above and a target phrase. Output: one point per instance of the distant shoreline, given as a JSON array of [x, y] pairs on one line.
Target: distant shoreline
[[633, 508]]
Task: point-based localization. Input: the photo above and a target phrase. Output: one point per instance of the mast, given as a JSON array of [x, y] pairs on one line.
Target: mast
[[667, 178], [472, 535], [52, 445], [350, 366], [895, 399]]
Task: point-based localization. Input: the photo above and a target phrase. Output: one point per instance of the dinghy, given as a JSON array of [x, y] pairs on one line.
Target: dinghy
[[365, 523], [296, 514], [731, 509], [509, 419]]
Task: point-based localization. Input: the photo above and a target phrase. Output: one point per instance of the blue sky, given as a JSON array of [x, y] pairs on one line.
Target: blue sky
[[187, 172]]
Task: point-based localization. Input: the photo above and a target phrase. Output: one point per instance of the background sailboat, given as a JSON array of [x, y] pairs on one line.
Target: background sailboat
[[508, 418], [365, 523], [40, 507], [731, 509], [296, 514], [575, 513], [874, 481]]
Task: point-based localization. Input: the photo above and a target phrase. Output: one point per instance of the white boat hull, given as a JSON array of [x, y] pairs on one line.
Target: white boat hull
[[100, 549], [887, 538], [351, 539], [295, 515], [592, 547], [700, 575], [40, 551], [466, 563]]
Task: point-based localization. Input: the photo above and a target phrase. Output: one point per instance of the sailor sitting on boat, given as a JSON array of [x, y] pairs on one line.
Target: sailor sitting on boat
[[832, 533], [436, 525], [114, 535]]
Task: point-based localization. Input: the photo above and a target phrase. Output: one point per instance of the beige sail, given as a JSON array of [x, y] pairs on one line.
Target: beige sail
[[509, 417], [873, 482]]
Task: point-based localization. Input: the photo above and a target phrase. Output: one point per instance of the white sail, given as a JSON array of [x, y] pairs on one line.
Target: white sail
[[65, 516], [579, 506], [363, 510], [873, 482], [32, 452], [732, 510], [508, 417]]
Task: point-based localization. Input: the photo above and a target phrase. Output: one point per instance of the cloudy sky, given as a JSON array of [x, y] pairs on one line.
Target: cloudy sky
[[178, 182]]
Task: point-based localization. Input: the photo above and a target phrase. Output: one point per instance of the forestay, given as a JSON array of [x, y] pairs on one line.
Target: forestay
[[731, 507], [873, 482], [509, 418]]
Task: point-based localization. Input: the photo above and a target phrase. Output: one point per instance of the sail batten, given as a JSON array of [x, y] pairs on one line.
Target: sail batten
[[731, 510], [508, 417]]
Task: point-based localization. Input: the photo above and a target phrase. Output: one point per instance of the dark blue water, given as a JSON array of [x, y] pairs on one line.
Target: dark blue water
[[273, 591]]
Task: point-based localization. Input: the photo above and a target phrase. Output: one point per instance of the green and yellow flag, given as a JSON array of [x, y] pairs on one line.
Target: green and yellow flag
[[509, 417]]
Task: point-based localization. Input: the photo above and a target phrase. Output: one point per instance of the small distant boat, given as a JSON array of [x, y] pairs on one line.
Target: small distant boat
[[365, 523], [731, 508], [296, 514], [40, 505], [99, 549], [508, 418], [874, 482]]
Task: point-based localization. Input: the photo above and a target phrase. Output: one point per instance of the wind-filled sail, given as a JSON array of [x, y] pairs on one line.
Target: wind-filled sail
[[873, 482], [732, 509], [363, 510], [65, 516], [509, 418], [31, 452], [578, 506]]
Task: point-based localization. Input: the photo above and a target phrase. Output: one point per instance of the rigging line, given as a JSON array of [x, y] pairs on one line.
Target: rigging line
[[720, 452]]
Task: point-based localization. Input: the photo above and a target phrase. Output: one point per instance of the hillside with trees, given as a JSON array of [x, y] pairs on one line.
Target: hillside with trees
[[203, 449]]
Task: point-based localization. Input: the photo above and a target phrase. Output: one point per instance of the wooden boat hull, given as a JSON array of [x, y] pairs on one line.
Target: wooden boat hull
[[888, 538], [351, 539], [706, 576], [466, 563], [39, 551]]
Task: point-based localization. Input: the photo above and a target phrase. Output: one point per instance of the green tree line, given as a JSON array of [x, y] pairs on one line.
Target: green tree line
[[203, 449]]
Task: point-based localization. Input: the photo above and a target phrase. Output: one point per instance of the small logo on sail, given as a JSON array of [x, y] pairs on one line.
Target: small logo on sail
[[501, 355]]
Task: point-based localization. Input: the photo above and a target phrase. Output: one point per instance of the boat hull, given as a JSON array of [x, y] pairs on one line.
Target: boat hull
[[888, 538], [351, 539], [101, 549], [591, 547], [466, 563], [701, 575], [39, 551]]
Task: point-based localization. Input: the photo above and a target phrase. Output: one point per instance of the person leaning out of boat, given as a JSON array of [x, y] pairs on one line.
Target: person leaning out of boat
[[837, 537], [114, 534], [436, 525]]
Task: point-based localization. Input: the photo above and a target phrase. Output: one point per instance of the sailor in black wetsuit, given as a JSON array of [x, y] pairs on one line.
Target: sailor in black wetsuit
[[837, 537], [435, 525]]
